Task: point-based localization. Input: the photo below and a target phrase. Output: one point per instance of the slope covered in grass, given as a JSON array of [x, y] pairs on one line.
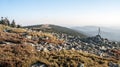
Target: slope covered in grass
[[25, 55], [56, 29], [16, 51], [19, 35]]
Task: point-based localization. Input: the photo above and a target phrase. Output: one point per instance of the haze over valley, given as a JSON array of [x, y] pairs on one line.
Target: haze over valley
[[112, 33]]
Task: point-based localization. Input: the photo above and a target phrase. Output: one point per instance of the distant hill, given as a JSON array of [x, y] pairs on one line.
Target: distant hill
[[56, 29], [110, 33]]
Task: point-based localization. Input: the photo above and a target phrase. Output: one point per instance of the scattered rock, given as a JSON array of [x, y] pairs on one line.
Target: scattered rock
[[80, 65], [38, 64]]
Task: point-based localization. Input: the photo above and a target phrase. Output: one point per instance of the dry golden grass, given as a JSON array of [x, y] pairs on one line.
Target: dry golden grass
[[13, 30], [18, 30], [15, 35], [26, 55], [3, 27]]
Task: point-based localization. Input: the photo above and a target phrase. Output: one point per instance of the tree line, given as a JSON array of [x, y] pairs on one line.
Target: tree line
[[5, 21]]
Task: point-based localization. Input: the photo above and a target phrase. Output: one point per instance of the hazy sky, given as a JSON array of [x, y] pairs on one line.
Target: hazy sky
[[69, 12]]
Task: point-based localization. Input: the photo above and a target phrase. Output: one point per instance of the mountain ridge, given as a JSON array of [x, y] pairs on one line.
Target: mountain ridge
[[56, 29], [106, 32]]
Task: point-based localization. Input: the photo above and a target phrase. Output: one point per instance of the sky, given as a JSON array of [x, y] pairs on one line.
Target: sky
[[62, 12]]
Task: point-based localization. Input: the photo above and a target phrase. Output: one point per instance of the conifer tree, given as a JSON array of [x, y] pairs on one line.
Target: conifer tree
[[18, 26], [13, 24], [6, 22], [1, 21]]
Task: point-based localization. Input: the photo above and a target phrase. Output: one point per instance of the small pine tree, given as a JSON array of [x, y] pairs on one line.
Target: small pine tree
[[13, 24], [18, 26], [1, 18], [6, 22], [1, 21]]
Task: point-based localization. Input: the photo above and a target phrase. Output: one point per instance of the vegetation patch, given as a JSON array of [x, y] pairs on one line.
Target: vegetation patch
[[25, 55]]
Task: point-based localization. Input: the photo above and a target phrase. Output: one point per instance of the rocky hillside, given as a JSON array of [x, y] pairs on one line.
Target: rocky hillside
[[51, 49], [19, 56]]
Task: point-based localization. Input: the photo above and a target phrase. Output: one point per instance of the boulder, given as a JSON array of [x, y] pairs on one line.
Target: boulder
[[80, 65], [38, 64]]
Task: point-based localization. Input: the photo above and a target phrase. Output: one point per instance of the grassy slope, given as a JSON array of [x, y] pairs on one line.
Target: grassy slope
[[15, 36], [58, 29], [19, 55]]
